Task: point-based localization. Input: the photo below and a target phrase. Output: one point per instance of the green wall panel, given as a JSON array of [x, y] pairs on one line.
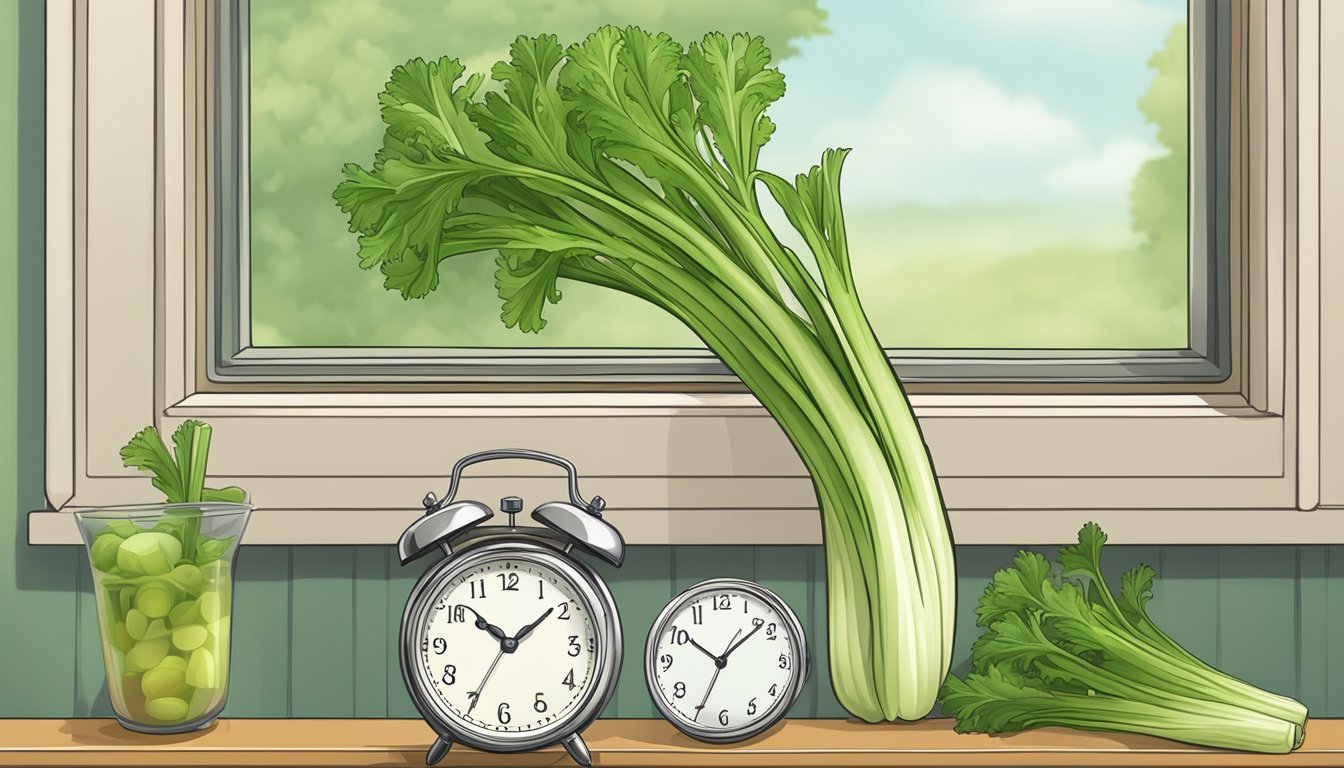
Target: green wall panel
[[400, 581], [1185, 599], [1334, 633], [1313, 626], [640, 587], [91, 694], [371, 616], [1259, 645], [259, 672], [321, 636]]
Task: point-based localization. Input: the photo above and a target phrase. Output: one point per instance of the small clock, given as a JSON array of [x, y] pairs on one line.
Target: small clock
[[725, 660], [511, 643]]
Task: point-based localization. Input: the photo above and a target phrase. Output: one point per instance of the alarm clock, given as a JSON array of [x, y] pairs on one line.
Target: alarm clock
[[510, 642], [725, 660]]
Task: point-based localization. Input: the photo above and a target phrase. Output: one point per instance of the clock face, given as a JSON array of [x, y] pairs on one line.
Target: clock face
[[725, 660], [510, 647]]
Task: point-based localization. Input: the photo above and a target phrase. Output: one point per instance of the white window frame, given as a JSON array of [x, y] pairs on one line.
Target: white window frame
[[127, 249]]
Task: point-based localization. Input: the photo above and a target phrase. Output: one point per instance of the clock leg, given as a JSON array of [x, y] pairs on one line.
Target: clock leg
[[437, 750], [578, 750]]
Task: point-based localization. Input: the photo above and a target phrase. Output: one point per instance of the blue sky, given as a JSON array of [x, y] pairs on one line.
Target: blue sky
[[976, 99]]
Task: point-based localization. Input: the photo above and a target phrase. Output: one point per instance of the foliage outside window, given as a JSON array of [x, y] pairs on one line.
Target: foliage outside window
[[1016, 184]]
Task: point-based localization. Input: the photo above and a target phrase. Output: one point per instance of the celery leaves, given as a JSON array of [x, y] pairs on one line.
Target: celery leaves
[[182, 479], [147, 452], [1061, 650]]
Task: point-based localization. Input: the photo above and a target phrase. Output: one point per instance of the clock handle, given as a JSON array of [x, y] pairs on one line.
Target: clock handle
[[593, 507]]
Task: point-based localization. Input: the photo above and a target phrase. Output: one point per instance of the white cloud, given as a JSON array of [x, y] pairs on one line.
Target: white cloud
[[941, 134], [1082, 24], [1106, 172]]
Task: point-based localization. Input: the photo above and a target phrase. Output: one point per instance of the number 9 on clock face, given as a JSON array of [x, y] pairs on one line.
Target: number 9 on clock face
[[511, 648], [725, 660]]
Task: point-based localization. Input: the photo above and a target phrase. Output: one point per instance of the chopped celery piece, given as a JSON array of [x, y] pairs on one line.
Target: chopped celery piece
[[209, 606], [137, 623], [168, 709], [123, 528], [201, 672], [189, 638], [169, 678], [103, 551], [184, 613], [157, 629], [154, 600], [147, 654], [121, 639], [189, 578], [152, 553]]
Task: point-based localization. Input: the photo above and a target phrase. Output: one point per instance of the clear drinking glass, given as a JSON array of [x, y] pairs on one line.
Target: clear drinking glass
[[163, 575]]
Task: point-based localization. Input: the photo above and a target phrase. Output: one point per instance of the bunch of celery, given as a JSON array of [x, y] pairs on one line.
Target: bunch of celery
[[1062, 649], [630, 162]]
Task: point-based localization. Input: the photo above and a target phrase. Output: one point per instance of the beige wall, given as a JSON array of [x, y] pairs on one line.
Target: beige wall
[[1332, 253]]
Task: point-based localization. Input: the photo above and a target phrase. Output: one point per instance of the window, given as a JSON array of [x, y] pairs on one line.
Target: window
[[339, 446], [1013, 215]]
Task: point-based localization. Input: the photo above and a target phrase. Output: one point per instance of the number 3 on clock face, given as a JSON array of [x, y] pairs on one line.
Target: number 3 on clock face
[[725, 660], [512, 648]]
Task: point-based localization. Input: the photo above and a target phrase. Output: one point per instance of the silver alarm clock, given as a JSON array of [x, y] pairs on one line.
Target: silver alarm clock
[[511, 643], [725, 660]]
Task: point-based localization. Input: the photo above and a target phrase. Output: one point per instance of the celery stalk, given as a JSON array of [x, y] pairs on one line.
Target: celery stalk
[[630, 162]]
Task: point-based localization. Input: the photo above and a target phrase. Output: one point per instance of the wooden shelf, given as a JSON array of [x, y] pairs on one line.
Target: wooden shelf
[[625, 743]]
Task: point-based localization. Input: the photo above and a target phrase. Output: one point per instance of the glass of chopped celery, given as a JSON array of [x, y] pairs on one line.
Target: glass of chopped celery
[[163, 576]]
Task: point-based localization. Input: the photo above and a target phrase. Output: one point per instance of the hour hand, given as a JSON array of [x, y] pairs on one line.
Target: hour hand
[[481, 623], [702, 649]]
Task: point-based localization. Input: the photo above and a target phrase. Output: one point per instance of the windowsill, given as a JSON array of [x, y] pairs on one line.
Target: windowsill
[[800, 526], [1022, 469], [625, 743]]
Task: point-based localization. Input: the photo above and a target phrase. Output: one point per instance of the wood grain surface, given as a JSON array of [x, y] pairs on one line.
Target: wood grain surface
[[625, 743]]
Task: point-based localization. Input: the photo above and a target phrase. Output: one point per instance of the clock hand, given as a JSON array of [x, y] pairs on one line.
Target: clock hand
[[481, 623], [702, 649], [527, 630], [475, 695], [719, 664], [701, 705], [734, 646]]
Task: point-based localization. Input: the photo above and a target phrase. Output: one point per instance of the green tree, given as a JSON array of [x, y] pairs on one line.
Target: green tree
[[314, 67], [1158, 195]]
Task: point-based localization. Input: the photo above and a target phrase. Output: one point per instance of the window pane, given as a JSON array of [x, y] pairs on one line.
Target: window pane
[[1018, 179]]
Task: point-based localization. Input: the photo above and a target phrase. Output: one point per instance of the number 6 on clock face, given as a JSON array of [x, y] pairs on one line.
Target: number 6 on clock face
[[512, 647]]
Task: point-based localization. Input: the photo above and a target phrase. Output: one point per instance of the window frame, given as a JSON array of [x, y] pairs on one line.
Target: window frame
[[231, 358], [129, 243]]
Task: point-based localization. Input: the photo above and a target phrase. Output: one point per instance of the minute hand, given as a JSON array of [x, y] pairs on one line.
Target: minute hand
[[527, 630], [734, 646]]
